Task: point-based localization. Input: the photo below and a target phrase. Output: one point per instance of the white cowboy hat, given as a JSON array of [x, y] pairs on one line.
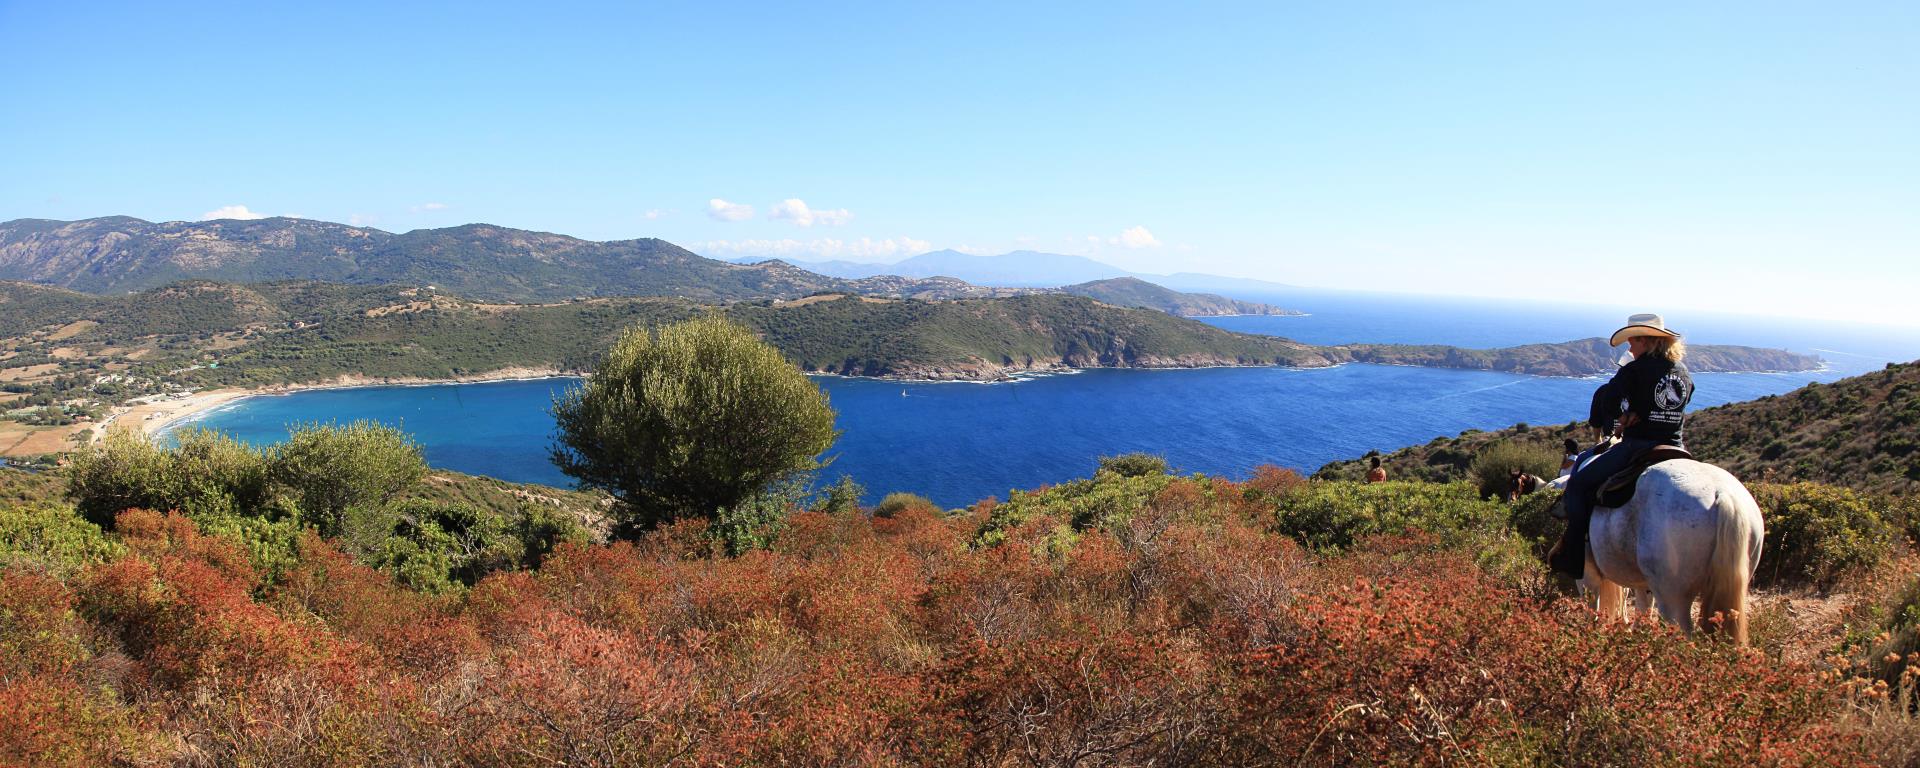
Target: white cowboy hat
[[1642, 325]]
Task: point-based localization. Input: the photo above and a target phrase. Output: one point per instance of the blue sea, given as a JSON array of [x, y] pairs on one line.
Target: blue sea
[[961, 442]]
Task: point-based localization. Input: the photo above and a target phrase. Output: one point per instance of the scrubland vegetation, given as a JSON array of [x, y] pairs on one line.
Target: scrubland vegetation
[[1130, 618]]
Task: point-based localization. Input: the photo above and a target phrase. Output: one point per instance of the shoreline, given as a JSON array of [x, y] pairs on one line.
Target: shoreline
[[158, 417], [154, 418]]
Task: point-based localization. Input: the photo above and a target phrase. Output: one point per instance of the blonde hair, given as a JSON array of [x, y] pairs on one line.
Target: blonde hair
[[1671, 348]]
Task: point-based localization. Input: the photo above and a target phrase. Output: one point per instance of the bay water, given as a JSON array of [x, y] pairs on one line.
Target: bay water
[[957, 443]]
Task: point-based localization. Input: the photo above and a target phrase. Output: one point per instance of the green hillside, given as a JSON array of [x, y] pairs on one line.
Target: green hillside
[[971, 339], [307, 331], [1862, 432], [1583, 357], [1134, 292]]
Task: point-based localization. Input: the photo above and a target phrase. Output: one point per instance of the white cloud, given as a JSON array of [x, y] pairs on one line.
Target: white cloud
[[1136, 237], [362, 219], [863, 249], [892, 246], [231, 212], [428, 207], [795, 210], [653, 214], [722, 210]]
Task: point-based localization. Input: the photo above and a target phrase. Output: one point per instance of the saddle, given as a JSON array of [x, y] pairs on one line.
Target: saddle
[[1618, 489]]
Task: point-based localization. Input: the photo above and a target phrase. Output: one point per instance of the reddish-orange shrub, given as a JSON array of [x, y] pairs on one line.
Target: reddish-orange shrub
[[155, 535], [53, 722], [572, 694], [37, 625], [1438, 664], [616, 587], [355, 601], [1177, 629], [1082, 695]]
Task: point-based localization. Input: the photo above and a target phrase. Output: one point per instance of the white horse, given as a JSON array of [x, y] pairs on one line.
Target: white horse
[[1691, 532]]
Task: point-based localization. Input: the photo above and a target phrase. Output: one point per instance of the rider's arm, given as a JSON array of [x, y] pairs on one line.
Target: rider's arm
[[1605, 409]]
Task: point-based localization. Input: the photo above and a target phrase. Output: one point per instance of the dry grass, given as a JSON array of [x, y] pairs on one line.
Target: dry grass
[[24, 440], [1887, 724], [25, 373], [825, 297], [72, 329]]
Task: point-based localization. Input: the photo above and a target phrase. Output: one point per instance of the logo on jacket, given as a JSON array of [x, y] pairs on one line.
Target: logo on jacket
[[1671, 394]]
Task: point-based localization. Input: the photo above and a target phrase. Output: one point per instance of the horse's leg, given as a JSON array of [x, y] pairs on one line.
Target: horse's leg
[[1642, 605], [1608, 598], [1676, 607]]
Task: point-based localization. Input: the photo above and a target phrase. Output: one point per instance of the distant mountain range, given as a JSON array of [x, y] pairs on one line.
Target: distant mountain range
[[121, 254], [118, 254], [1029, 269]]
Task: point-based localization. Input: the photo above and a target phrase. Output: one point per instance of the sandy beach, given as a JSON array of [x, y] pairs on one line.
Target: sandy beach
[[150, 418]]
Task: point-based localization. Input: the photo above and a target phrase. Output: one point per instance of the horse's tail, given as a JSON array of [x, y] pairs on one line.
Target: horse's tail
[[1732, 565]]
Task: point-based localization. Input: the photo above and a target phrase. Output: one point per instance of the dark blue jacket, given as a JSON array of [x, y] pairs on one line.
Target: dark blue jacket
[[1654, 388]]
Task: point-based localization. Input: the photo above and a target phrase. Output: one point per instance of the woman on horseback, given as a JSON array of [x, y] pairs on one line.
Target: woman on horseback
[[1648, 397]]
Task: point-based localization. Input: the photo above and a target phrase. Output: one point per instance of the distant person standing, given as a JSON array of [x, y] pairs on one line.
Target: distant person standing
[[1378, 474]]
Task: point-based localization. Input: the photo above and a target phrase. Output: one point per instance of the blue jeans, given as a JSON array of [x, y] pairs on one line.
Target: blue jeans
[[1579, 497]]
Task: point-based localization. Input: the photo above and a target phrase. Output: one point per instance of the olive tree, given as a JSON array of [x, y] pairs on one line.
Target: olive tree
[[339, 473], [688, 420]]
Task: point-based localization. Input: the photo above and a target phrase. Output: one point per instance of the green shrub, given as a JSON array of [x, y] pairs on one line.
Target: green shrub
[[207, 475], [1532, 519], [417, 565], [895, 503], [1336, 516], [1818, 533], [439, 547], [1903, 512], [757, 520], [843, 497], [1135, 464], [1333, 515], [213, 475], [1106, 500], [688, 420], [52, 537], [541, 530], [271, 540], [1493, 465], [341, 473]]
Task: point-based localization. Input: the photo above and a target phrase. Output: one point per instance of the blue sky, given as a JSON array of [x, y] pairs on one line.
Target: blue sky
[[1756, 157]]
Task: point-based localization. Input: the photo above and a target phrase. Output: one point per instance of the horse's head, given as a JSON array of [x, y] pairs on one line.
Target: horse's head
[[1559, 509], [1520, 483]]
